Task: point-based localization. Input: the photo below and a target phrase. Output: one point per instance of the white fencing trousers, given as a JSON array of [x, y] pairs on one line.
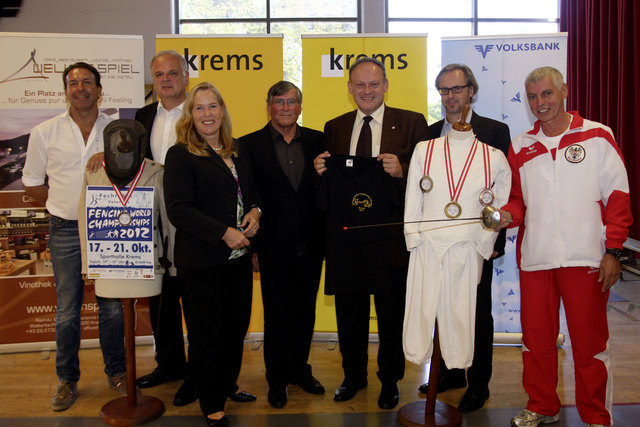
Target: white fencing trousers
[[445, 290]]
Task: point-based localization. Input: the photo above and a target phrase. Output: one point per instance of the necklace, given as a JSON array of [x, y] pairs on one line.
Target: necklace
[[217, 148]]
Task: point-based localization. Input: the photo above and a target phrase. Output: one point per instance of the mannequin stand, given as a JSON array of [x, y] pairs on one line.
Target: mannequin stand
[[431, 413], [131, 410]]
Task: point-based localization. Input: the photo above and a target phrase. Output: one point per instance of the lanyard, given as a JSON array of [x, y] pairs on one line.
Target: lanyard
[[455, 189]]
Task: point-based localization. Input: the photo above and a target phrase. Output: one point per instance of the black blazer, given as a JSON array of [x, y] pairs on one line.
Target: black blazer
[[201, 197], [401, 131], [291, 223], [146, 115], [493, 133]]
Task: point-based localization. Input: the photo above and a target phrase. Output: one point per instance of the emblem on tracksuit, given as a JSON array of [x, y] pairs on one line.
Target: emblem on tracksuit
[[574, 153]]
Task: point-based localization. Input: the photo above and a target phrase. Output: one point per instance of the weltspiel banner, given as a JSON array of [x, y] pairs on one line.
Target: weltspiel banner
[[31, 92]]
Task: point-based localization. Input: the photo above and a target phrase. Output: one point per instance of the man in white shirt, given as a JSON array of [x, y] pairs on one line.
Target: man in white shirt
[[60, 149], [170, 80]]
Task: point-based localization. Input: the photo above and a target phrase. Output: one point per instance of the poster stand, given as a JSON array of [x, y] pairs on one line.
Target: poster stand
[[133, 409]]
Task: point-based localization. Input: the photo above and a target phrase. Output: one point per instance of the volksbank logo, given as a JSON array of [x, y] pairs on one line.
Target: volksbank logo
[[217, 62], [484, 49], [516, 47], [334, 64]]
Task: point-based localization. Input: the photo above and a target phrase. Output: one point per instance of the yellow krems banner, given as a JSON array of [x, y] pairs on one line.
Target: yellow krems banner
[[243, 68], [326, 61]]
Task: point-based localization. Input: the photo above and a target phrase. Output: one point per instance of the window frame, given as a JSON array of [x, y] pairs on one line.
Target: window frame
[[474, 20], [268, 19]]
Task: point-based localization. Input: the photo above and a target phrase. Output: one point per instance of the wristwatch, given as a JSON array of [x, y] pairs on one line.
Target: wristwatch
[[617, 253]]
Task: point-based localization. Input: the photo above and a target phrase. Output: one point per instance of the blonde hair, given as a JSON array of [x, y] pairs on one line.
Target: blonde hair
[[186, 132]]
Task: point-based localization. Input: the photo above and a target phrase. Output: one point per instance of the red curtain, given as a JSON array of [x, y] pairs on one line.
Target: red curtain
[[603, 75]]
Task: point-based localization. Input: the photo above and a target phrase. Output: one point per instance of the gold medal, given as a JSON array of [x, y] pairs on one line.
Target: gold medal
[[453, 209]]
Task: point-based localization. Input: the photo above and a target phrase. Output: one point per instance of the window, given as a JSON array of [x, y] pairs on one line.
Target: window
[[292, 18], [439, 19]]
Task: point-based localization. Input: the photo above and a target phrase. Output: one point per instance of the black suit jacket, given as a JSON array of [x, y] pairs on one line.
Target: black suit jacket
[[291, 223], [401, 131], [493, 133], [146, 115], [201, 198]]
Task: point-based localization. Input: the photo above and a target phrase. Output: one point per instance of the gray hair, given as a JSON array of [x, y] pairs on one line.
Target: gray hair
[[469, 78], [542, 72], [281, 88], [179, 58]]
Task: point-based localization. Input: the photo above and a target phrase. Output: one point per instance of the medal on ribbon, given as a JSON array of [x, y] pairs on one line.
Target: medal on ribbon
[[486, 197], [426, 183], [453, 208], [124, 217]]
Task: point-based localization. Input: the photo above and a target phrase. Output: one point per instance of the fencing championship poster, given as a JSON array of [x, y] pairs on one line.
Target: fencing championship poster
[[120, 238], [500, 65], [31, 92]]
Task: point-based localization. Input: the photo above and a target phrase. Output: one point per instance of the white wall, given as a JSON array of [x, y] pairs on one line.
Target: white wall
[[144, 17]]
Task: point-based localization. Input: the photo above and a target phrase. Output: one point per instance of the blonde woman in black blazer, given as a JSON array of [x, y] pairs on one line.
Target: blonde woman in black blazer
[[213, 203]]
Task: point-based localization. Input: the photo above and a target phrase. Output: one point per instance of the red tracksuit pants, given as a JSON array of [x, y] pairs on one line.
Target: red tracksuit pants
[[586, 312]]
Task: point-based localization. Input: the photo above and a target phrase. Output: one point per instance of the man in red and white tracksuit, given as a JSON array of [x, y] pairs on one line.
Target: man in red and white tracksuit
[[570, 197]]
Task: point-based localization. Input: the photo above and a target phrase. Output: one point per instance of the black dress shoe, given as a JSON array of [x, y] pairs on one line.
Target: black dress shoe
[[186, 394], [389, 396], [473, 399], [242, 397], [277, 396], [310, 385], [445, 383], [348, 390], [222, 422], [157, 377]]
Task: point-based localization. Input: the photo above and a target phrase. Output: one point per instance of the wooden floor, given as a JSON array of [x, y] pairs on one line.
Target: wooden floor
[[28, 380]]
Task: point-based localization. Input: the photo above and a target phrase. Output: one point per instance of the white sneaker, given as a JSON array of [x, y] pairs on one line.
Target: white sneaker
[[527, 418]]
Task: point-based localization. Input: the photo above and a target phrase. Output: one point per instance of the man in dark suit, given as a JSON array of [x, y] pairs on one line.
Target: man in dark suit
[[457, 86], [170, 80], [392, 136], [290, 243]]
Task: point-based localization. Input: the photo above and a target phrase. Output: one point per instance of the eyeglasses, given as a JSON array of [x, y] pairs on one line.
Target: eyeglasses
[[281, 101], [456, 89]]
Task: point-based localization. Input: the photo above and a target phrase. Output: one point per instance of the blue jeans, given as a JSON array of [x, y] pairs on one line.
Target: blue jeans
[[64, 242]]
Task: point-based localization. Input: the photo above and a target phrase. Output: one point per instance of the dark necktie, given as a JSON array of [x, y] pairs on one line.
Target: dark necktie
[[363, 149]]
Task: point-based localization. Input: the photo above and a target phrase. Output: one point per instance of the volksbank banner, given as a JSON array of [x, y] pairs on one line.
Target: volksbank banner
[[326, 60], [500, 65], [243, 68]]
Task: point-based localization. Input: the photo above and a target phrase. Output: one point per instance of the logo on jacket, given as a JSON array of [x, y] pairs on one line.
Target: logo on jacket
[[361, 201], [574, 153]]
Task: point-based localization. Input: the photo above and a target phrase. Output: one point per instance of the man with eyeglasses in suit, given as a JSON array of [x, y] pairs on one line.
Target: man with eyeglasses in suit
[[457, 87]]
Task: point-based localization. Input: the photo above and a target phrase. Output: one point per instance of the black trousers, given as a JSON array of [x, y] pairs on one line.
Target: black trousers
[[353, 312], [165, 313], [479, 373], [217, 308], [289, 296]]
